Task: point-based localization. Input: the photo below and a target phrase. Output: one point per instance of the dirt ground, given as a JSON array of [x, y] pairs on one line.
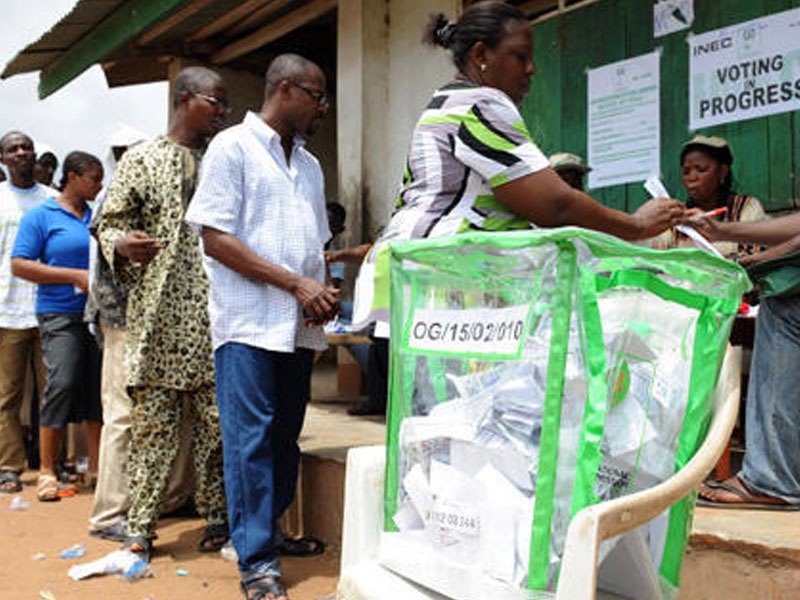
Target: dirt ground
[[49, 528]]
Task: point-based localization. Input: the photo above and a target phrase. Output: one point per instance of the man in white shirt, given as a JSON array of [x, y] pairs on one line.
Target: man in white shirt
[[260, 204], [19, 333]]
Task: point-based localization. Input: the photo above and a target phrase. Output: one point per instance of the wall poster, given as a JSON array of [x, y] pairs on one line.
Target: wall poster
[[624, 133]]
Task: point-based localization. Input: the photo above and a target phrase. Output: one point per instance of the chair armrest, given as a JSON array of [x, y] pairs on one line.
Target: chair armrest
[[600, 522]]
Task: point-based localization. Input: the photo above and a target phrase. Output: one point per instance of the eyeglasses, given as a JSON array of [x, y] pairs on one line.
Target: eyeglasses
[[215, 102], [321, 98]]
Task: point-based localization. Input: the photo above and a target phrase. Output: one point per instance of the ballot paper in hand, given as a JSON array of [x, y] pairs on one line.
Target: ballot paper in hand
[[656, 189], [698, 239]]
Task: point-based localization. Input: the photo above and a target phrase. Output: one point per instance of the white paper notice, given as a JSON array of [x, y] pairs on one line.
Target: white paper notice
[[624, 126], [744, 71], [485, 331]]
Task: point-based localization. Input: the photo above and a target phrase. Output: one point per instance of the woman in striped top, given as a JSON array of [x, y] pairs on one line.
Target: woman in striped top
[[472, 164]]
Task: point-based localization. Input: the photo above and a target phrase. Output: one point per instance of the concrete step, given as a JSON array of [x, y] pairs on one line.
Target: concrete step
[[742, 554], [328, 433]]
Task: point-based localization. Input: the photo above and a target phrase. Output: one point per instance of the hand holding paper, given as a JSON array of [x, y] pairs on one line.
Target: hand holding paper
[[656, 189]]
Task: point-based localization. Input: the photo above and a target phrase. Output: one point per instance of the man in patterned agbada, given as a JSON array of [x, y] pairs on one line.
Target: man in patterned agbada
[[168, 356]]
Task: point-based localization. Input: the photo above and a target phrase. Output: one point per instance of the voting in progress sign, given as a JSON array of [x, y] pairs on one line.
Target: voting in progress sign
[[745, 71]]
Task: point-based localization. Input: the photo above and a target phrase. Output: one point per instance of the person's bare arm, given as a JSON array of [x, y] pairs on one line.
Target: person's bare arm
[[353, 255], [545, 200], [768, 233], [319, 301], [788, 247], [33, 270]]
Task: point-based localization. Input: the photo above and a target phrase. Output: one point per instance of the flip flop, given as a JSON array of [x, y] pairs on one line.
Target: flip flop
[[145, 546], [749, 501], [302, 546], [266, 588], [10, 483], [214, 538], [47, 488]]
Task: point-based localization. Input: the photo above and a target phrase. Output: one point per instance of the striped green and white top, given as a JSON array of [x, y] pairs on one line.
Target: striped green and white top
[[468, 141]]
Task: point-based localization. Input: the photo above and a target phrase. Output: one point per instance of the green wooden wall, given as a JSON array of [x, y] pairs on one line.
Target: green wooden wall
[[766, 150]]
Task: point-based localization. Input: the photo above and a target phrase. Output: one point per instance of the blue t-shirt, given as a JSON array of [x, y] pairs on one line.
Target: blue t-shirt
[[54, 236]]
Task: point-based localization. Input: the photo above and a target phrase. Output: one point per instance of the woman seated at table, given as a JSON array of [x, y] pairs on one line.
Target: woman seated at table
[[708, 178]]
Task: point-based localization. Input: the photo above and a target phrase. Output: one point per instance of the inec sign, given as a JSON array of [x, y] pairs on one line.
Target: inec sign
[[745, 71]]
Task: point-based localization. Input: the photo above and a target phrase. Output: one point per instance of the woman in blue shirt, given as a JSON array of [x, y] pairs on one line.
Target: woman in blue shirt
[[52, 250]]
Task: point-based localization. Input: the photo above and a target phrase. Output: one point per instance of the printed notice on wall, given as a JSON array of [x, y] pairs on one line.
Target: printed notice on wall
[[745, 71], [624, 130]]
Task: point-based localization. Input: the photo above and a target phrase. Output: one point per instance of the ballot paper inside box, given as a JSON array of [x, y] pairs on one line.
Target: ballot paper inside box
[[534, 374]]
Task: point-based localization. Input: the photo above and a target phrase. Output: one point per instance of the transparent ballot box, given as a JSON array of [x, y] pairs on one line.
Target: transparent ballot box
[[533, 374]]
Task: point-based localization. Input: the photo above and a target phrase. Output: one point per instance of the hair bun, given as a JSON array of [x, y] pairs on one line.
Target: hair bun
[[445, 28]]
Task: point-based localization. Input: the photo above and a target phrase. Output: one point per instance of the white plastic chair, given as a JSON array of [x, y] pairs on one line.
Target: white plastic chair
[[363, 578]]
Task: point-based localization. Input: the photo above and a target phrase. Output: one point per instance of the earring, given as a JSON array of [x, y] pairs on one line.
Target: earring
[[483, 67]]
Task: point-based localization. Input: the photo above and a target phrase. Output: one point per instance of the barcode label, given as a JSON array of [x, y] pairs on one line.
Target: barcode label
[[455, 517]]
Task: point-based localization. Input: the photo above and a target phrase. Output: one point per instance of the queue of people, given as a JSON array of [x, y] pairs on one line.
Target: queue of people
[[210, 287], [150, 296]]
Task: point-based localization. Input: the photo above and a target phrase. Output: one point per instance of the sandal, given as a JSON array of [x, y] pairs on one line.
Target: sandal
[[145, 546], [733, 493], [302, 546], [47, 488], [10, 483], [90, 480], [214, 538], [266, 588], [67, 474]]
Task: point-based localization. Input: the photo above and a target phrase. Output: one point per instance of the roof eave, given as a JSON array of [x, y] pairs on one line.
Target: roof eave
[[119, 28]]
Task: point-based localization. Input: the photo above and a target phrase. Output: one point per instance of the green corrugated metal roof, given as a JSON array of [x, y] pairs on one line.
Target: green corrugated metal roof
[[88, 34], [110, 32], [85, 15]]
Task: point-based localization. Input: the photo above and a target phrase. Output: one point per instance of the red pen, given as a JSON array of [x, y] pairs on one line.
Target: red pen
[[714, 213]]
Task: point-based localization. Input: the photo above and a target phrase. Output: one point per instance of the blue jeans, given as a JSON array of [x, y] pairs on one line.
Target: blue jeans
[[262, 397], [772, 460]]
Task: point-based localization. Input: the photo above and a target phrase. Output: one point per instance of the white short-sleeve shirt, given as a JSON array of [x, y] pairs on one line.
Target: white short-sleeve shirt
[[277, 210], [17, 296]]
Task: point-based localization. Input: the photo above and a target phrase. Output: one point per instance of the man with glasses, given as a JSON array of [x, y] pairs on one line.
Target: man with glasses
[[260, 205], [156, 257]]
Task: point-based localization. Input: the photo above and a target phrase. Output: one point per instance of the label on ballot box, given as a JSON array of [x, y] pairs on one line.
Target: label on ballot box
[[457, 517], [480, 331]]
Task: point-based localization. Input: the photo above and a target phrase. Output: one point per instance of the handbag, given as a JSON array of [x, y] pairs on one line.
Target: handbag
[[777, 278]]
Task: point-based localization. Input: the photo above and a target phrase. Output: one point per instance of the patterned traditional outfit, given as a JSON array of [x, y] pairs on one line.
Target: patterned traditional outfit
[[168, 342]]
